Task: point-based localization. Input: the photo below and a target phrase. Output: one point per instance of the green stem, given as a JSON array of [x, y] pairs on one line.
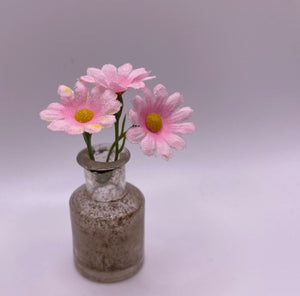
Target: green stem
[[113, 145], [122, 133], [123, 144], [118, 115], [116, 143], [88, 140], [110, 151]]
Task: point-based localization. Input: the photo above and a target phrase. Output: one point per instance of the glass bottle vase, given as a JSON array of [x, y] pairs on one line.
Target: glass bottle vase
[[107, 217]]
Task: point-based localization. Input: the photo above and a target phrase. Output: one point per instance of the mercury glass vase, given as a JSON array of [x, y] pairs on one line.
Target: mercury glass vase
[[107, 217]]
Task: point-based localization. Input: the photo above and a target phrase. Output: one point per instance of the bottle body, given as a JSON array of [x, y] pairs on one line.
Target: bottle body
[[107, 217]]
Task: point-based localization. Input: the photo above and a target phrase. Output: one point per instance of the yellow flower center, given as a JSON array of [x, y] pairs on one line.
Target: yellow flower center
[[84, 115], [154, 122], [68, 90]]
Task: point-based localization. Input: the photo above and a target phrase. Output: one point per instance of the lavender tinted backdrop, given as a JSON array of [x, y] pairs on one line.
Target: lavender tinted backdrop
[[236, 186]]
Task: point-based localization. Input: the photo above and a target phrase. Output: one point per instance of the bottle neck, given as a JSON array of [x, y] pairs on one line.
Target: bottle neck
[[105, 186]]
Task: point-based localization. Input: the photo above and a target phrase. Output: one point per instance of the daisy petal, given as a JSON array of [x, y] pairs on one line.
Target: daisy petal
[[93, 128], [109, 95], [148, 144], [149, 77], [112, 107], [109, 71], [182, 114], [133, 116], [97, 75], [56, 106], [94, 72], [125, 69], [138, 103], [107, 120], [174, 101], [175, 141], [58, 125], [183, 128], [88, 79], [53, 112], [138, 74], [148, 96], [164, 149], [135, 134], [50, 115], [81, 90], [75, 130], [160, 91], [97, 92], [65, 92], [137, 85], [116, 87]]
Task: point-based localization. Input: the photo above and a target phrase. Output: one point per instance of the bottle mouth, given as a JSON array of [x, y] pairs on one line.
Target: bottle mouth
[[100, 164]]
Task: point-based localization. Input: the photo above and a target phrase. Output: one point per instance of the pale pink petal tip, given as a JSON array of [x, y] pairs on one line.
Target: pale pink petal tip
[[107, 121], [53, 112], [81, 89], [182, 114], [88, 79], [175, 142], [65, 92], [164, 149], [125, 69], [148, 145], [160, 90]]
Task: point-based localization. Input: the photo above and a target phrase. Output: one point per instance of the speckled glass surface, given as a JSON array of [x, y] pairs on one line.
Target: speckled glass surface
[[107, 216]]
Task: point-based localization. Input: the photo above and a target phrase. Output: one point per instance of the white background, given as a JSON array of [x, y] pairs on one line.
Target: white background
[[222, 217]]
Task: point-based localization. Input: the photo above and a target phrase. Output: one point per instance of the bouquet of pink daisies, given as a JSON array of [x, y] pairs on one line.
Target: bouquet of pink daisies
[[156, 118]]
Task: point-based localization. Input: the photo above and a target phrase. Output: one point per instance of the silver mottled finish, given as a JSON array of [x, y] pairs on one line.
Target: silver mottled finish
[[107, 216]]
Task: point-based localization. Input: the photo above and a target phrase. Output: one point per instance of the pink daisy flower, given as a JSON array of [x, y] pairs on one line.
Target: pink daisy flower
[[118, 80], [83, 111], [157, 122]]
